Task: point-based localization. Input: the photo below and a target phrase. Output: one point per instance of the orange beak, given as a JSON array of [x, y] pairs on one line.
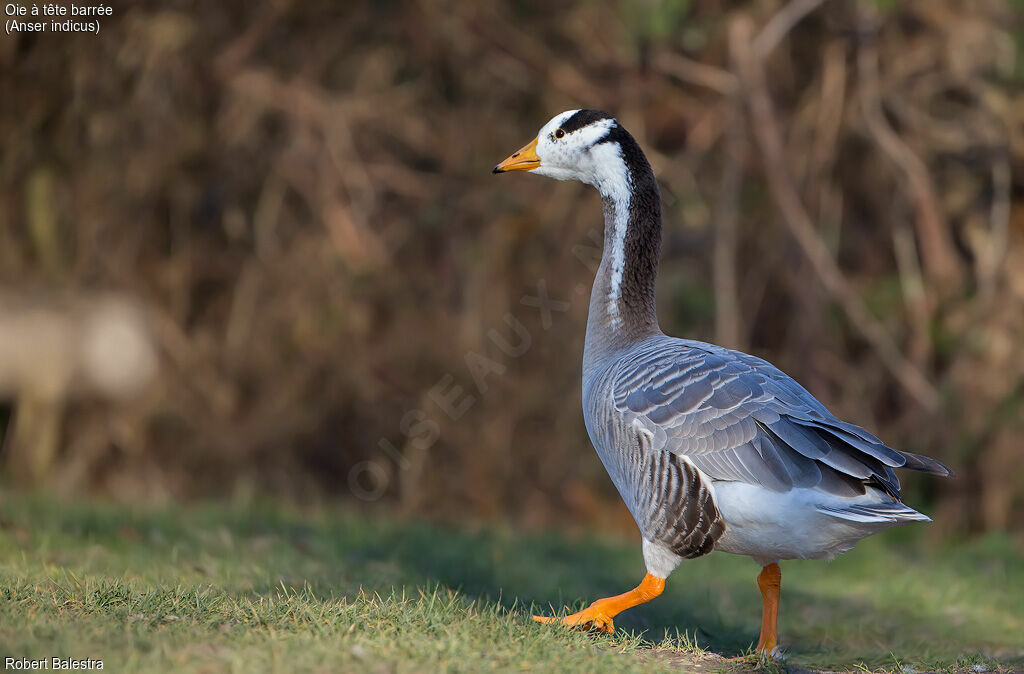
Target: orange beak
[[525, 159]]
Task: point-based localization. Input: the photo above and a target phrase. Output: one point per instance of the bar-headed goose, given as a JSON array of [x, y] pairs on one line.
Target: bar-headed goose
[[711, 449]]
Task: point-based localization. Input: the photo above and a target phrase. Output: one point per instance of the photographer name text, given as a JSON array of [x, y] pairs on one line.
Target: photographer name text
[[55, 663]]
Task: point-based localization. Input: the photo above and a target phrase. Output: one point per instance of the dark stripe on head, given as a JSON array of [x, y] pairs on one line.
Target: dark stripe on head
[[631, 152], [583, 118]]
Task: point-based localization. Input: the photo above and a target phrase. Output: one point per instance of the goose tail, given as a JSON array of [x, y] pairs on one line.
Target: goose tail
[[925, 464], [875, 513]]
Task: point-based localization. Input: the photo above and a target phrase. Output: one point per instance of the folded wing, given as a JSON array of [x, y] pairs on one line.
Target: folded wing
[[737, 417]]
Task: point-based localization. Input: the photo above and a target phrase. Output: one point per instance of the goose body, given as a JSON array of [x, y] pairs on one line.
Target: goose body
[[692, 436], [710, 448]]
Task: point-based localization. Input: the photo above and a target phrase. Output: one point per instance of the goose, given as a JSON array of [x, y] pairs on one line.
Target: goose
[[711, 449]]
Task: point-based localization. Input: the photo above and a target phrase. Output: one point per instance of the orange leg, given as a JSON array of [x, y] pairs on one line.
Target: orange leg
[[598, 616], [770, 582]]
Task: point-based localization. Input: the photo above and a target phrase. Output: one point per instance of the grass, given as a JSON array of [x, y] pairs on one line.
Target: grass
[[216, 588]]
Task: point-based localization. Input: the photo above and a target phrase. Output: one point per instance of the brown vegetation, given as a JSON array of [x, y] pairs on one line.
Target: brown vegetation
[[344, 299]]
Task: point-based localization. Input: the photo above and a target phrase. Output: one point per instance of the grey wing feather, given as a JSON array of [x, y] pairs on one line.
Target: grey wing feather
[[672, 504], [737, 417]]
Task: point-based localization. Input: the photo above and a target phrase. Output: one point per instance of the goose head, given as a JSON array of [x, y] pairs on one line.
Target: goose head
[[583, 145]]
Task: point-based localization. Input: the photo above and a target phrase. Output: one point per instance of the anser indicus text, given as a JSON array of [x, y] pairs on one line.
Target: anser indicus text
[[711, 449]]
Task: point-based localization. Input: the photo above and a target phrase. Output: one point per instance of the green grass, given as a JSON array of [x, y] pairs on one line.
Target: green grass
[[271, 589]]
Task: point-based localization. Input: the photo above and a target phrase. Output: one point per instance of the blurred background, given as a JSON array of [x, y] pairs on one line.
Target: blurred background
[[254, 249]]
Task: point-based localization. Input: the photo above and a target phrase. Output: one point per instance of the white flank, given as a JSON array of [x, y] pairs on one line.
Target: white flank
[[660, 561], [800, 523]]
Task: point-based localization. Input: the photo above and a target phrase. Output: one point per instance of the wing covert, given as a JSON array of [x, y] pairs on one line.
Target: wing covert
[[737, 417]]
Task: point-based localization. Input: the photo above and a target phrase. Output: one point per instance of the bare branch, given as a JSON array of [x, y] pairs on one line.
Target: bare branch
[[936, 248], [728, 318], [694, 72], [999, 219], [780, 24], [769, 140]]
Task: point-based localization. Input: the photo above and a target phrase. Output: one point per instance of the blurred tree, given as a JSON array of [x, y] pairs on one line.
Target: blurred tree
[[299, 194]]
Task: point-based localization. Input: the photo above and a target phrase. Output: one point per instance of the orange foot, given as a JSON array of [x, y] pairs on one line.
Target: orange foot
[[598, 616], [591, 618], [761, 655]]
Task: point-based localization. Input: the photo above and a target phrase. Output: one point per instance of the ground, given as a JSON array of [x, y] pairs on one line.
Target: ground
[[266, 588]]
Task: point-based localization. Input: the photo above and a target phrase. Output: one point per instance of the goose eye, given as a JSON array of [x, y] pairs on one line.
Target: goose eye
[[559, 133]]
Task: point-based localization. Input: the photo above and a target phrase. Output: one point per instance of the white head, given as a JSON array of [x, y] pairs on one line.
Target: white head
[[590, 146], [575, 145]]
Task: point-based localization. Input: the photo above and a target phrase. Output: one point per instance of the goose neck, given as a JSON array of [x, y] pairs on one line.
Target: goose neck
[[622, 300]]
